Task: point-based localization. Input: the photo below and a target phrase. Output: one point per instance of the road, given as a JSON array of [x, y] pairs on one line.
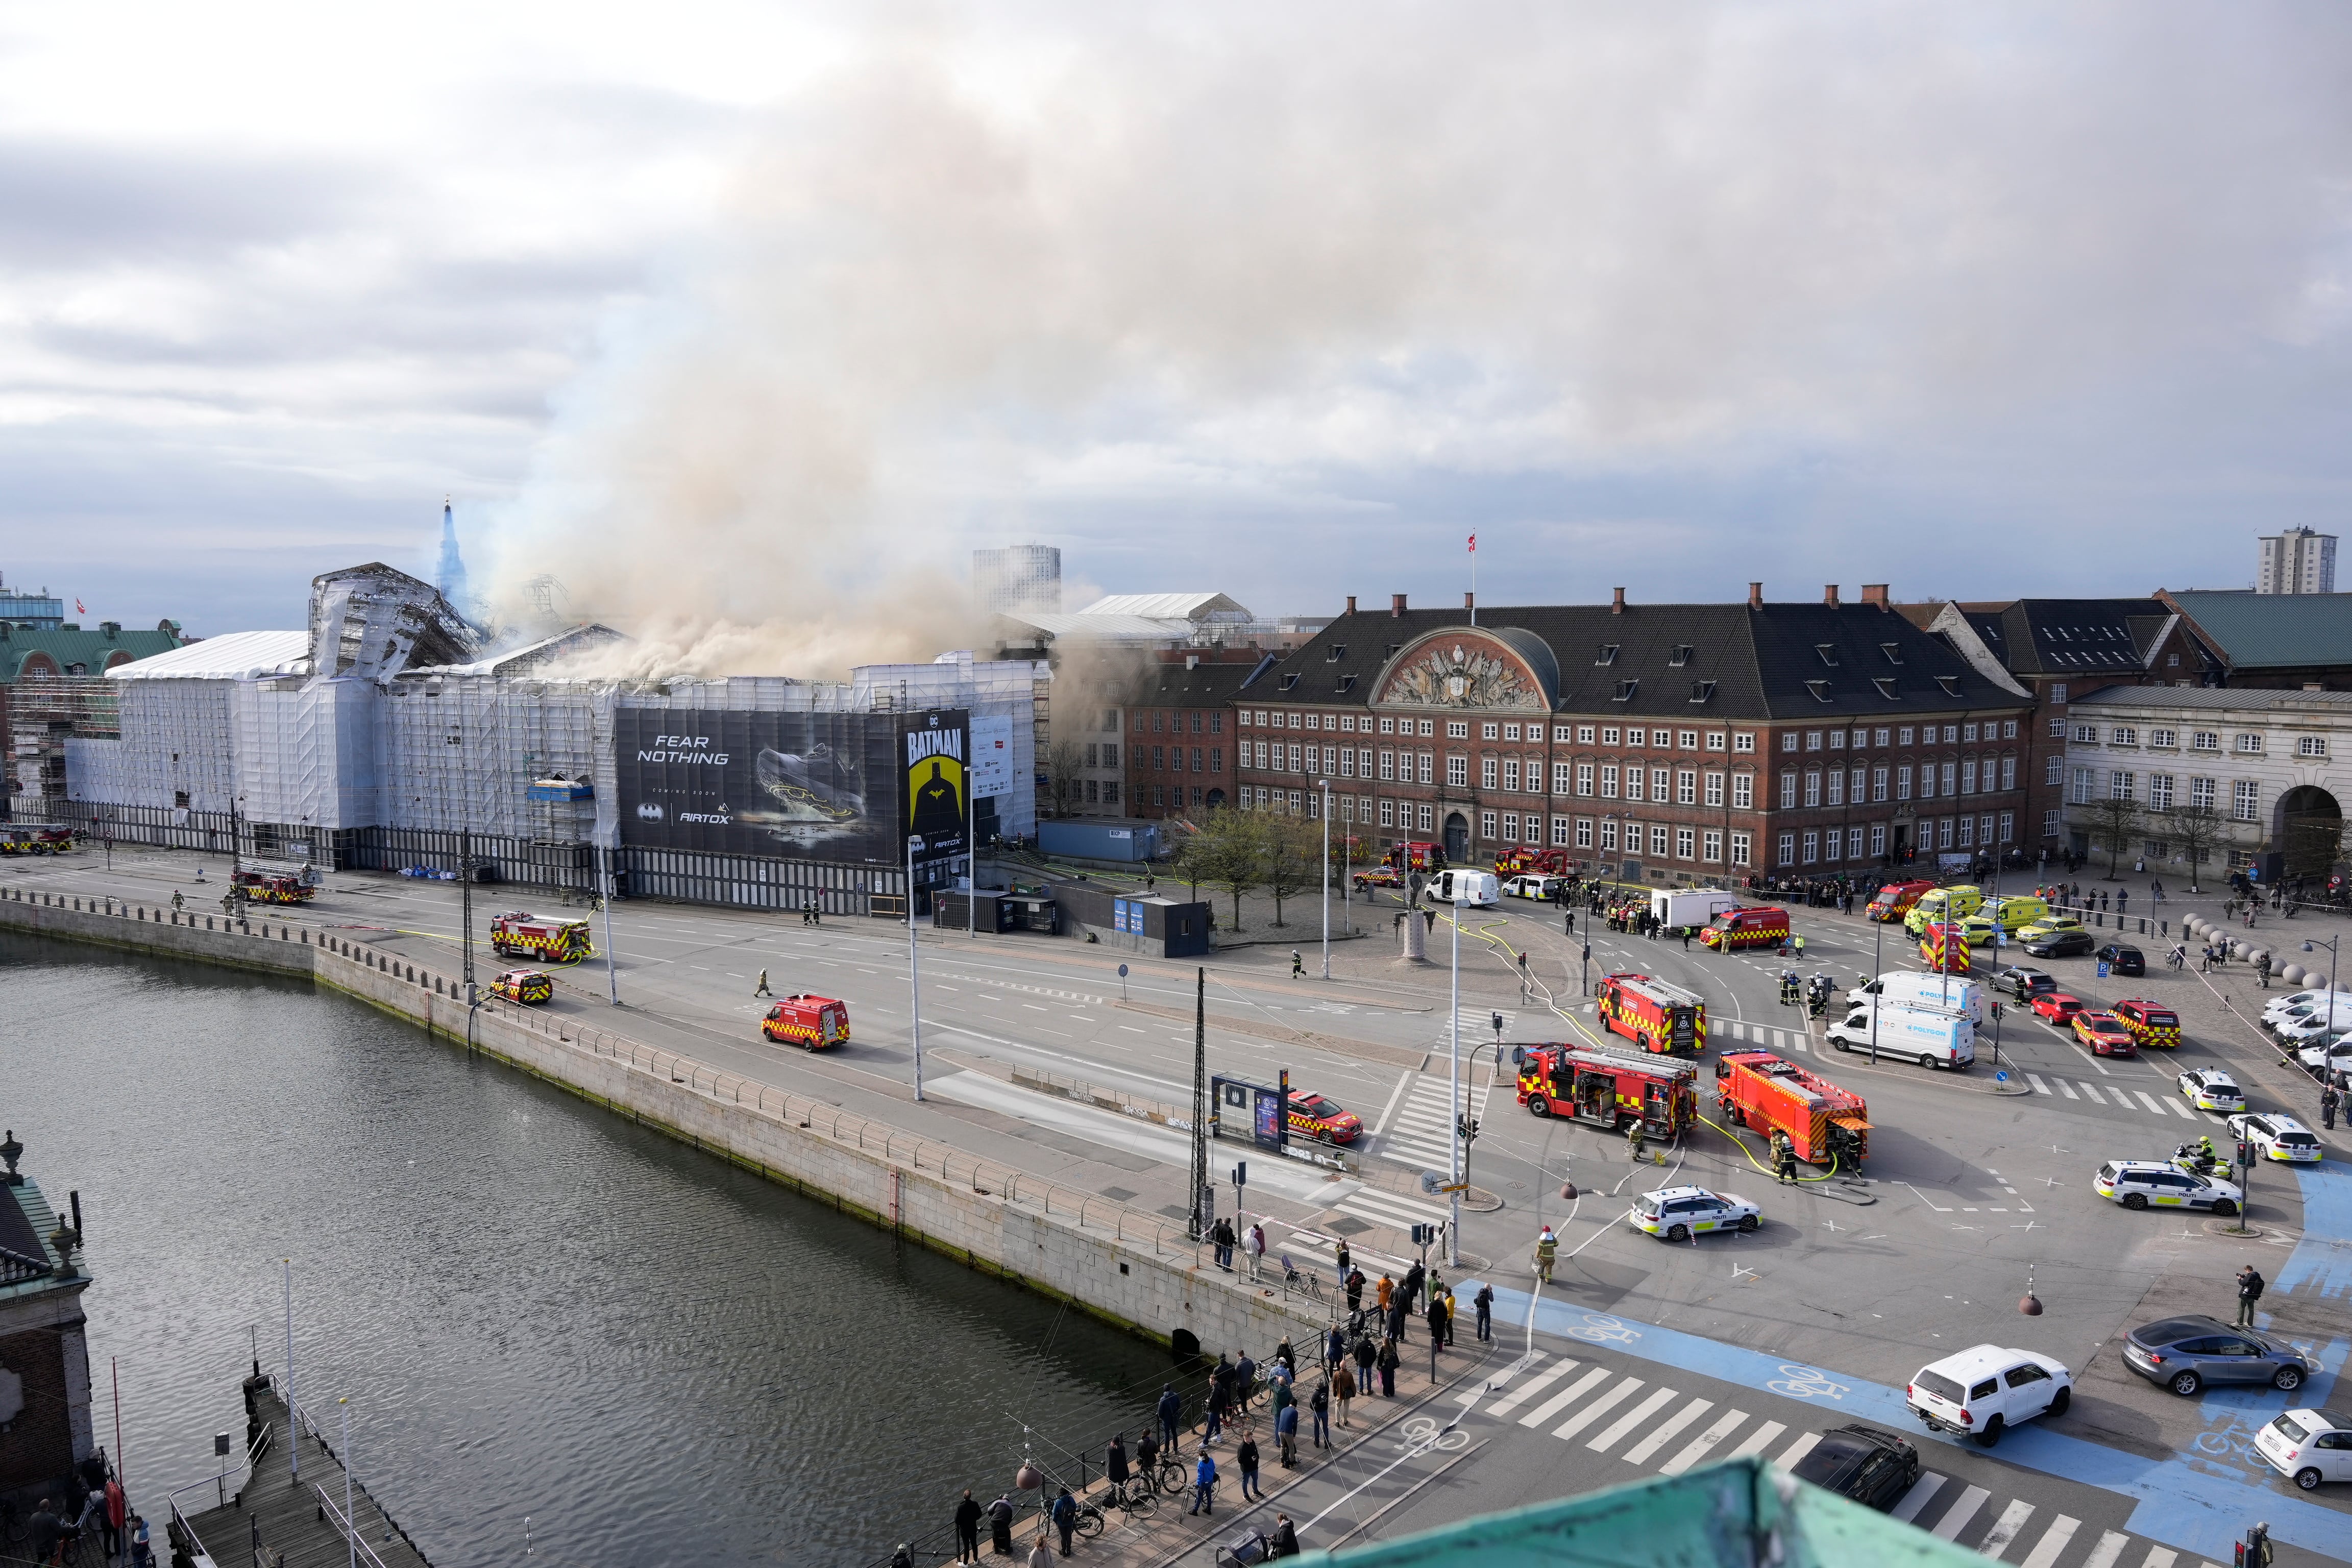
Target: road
[[1972, 1187]]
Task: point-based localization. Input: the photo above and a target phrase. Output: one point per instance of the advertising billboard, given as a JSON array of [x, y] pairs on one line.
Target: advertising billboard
[[935, 761], [734, 782], [991, 756]]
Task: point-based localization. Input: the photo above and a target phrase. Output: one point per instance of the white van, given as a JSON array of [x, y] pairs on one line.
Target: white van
[[1956, 992], [1928, 1035], [1690, 907], [1459, 887]]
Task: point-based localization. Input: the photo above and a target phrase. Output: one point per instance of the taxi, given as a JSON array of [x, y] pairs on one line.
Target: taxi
[[2277, 1136], [1313, 1116], [1677, 1214], [2105, 1034], [2212, 1088], [1379, 877], [2055, 1007], [2048, 926], [2150, 1023], [528, 986], [2155, 1183]]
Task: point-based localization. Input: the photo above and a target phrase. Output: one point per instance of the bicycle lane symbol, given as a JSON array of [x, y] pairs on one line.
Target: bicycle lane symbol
[[1806, 1383], [1599, 1329], [1426, 1435]]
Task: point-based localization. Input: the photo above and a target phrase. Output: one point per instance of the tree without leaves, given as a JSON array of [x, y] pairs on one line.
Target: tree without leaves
[[1225, 853], [2115, 825], [1065, 786], [1291, 851], [2199, 830]]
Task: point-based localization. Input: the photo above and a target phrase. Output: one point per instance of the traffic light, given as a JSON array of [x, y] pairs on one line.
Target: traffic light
[[1468, 1127], [2245, 1154]]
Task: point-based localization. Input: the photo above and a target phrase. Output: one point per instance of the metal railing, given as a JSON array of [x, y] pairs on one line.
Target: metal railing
[[345, 1527], [253, 1452]]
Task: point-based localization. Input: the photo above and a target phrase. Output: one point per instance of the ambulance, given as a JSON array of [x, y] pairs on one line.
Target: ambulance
[[2015, 912], [1660, 1017], [1953, 903], [1751, 926], [812, 1023]]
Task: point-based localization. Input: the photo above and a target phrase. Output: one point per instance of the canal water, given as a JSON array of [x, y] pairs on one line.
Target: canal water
[[533, 1307]]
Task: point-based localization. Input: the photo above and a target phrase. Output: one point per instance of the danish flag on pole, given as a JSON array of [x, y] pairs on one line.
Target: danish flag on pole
[[1473, 544], [79, 611]]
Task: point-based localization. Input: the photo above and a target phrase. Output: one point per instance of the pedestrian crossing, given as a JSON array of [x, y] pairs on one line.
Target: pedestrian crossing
[[1478, 1028], [1420, 1133], [1760, 1035], [2113, 1094], [1656, 1426]]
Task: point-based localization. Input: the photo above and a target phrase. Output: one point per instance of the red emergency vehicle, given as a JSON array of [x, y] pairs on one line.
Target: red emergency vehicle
[[1523, 858], [1824, 1122], [1893, 901], [1608, 1088], [1944, 947], [1751, 925], [1659, 1016], [1416, 855], [520, 934], [812, 1023], [268, 887]]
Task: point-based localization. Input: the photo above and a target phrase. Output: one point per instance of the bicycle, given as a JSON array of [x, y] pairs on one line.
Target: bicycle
[[1292, 1280], [1133, 1497]]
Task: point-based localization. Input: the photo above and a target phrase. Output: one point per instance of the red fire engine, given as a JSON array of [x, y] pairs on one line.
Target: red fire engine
[[1416, 855], [1824, 1121], [1893, 901], [1749, 926], [1608, 1088], [1660, 1017], [268, 886], [520, 934], [1523, 858], [812, 1023], [1944, 947]]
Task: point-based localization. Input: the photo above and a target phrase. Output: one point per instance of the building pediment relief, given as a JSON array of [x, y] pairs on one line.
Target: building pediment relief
[[1461, 671]]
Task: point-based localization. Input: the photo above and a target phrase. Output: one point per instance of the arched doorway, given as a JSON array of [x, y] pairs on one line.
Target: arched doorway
[[1217, 798], [1458, 838], [2310, 831]]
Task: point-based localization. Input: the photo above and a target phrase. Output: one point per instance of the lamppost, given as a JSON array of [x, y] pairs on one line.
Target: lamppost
[[611, 959], [1877, 943], [350, 1520], [1326, 878], [914, 970], [1454, 1037], [2327, 1036]]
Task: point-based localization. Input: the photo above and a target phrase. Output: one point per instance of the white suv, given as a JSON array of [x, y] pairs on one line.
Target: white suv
[[1980, 1392]]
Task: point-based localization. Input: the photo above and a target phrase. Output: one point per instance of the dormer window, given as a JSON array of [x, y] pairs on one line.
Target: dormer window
[[1338, 651], [1625, 690], [1702, 690], [1820, 689], [1885, 684], [1347, 683], [1680, 657], [1893, 650], [1828, 650], [1289, 681], [1607, 654], [1951, 683]]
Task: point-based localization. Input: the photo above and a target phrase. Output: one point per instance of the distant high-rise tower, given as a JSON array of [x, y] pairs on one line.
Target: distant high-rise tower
[[1018, 577], [2297, 561], [451, 579]]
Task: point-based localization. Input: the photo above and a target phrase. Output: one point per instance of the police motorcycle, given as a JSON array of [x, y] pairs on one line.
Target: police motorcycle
[[2198, 1158]]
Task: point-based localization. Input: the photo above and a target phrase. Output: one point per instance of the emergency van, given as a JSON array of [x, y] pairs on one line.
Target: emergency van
[[1607, 1088], [1659, 1016], [2015, 912], [1893, 900], [1953, 992], [810, 1022], [2149, 1023], [1944, 947], [1749, 926], [1929, 1036], [1953, 903]]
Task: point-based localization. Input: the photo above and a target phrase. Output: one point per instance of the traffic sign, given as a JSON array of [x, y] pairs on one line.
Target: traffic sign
[[1122, 972], [1456, 1187], [2001, 1077], [2102, 970]]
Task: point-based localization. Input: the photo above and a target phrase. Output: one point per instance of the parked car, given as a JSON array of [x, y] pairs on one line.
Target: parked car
[[2308, 1446], [2025, 983], [2333, 1056], [2212, 1088], [1528, 885], [2276, 1136], [2060, 944], [1873, 1467], [2185, 1354], [1983, 1390], [2122, 960], [2056, 1007]]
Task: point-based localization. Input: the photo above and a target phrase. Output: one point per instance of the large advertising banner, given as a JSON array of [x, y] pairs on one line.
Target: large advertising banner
[[992, 755], [727, 781], [936, 764]]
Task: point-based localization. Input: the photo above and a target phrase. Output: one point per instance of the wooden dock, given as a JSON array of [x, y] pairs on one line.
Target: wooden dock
[[276, 1522]]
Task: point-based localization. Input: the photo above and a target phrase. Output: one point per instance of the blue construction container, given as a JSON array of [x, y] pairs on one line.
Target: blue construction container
[[1081, 841]]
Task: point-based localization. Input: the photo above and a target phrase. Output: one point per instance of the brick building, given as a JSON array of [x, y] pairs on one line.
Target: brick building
[[1671, 742], [53, 686], [1179, 746], [45, 1424]]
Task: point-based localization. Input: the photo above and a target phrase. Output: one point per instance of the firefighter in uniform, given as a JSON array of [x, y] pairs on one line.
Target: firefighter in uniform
[[1784, 1157], [1546, 1249], [1788, 987], [1633, 1137]]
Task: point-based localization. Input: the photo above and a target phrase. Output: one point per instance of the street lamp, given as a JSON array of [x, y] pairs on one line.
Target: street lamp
[[1326, 878], [1877, 945], [1454, 1036], [2328, 1034], [914, 971]]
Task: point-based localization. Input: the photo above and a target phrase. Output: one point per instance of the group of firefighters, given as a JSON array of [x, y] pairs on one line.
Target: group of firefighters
[[1814, 995]]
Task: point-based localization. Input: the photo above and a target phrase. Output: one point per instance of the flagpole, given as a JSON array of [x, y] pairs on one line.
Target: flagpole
[[1474, 579]]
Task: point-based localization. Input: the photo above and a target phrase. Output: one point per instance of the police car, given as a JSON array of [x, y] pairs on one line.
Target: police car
[[2211, 1089], [2155, 1183], [2279, 1137], [1677, 1214]]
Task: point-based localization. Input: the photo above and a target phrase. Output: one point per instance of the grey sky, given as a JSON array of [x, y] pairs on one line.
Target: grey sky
[[1280, 300]]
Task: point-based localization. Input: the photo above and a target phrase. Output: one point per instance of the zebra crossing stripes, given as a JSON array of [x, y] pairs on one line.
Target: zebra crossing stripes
[[2106, 1553], [1420, 1133], [1389, 1209], [1922, 1491], [1667, 1431], [2006, 1527], [1797, 1450], [1955, 1519], [1561, 1400], [1698, 1448], [1601, 1405], [2128, 1099], [1513, 1398], [1769, 1038], [2053, 1542], [1477, 1026], [1623, 1426], [1758, 1439]]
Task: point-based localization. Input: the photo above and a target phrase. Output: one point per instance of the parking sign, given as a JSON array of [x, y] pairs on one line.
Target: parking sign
[[2103, 969]]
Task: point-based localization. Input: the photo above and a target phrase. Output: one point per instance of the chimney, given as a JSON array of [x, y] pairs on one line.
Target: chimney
[[1617, 604], [1351, 604], [1192, 661], [1829, 595], [1874, 593], [1396, 603], [1470, 603], [1755, 596]]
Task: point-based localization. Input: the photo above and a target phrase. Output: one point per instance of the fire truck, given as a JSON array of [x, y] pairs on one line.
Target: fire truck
[[812, 1023], [1752, 926], [35, 838], [1416, 855], [1824, 1121], [268, 884], [1523, 858], [1893, 900], [1944, 947], [520, 934], [1608, 1088], [1659, 1016]]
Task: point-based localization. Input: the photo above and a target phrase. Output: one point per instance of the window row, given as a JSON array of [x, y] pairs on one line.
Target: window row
[[1831, 845], [2163, 793], [1207, 722], [2246, 743], [1172, 759], [1904, 735], [1855, 786]]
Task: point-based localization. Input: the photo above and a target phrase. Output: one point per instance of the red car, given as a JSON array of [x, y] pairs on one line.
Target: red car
[[1379, 877], [2105, 1034], [2056, 1007], [1312, 1116]]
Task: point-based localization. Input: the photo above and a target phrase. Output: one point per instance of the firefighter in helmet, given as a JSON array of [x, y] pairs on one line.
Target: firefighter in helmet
[[1635, 1135], [1784, 1157], [1788, 987]]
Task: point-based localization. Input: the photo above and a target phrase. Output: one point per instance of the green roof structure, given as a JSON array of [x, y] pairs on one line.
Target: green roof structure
[[1737, 1514]]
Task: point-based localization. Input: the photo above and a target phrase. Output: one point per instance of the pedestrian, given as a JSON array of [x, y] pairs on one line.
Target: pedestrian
[[1570, 917], [1437, 1322], [1215, 1419], [1365, 1356], [88, 1524], [1285, 1539], [1041, 1556], [1388, 1362], [1245, 1458], [1409, 1287], [142, 1556], [1172, 1413], [1244, 1383], [1547, 1249], [2249, 1291], [967, 1526], [761, 988], [1147, 1461], [1453, 1316], [1066, 1518], [117, 1509], [1485, 1302], [1114, 1468], [1399, 1311], [45, 1529], [1799, 940], [1343, 1389], [1298, 965], [1285, 1432], [903, 1557], [1204, 1486], [1286, 1357], [1000, 1525], [1784, 1158], [1221, 1237], [1354, 1291], [2262, 970], [1318, 1406], [1255, 1248], [1384, 1292], [1335, 1349], [2329, 1099], [1342, 1260]]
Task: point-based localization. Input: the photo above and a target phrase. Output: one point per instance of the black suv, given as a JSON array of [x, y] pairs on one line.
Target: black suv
[[2122, 960], [2061, 944], [2025, 983], [1873, 1467]]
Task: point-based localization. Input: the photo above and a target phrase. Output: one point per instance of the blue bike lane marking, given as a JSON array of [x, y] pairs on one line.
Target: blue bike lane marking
[[2181, 1501]]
